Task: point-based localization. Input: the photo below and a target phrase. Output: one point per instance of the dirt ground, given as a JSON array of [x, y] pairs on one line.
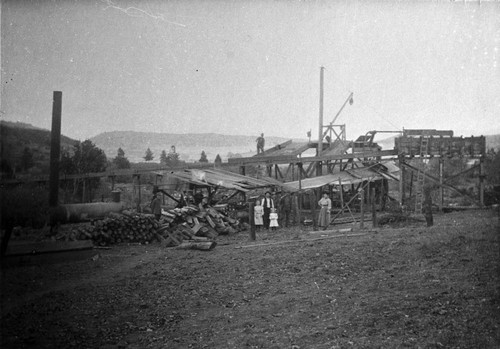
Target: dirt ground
[[414, 287]]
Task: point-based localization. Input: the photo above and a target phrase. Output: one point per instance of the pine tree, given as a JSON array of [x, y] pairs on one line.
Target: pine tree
[[163, 157], [203, 157], [120, 153], [218, 160], [120, 160], [149, 155]]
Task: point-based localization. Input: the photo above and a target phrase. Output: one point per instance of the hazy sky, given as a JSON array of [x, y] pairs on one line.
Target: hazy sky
[[246, 67]]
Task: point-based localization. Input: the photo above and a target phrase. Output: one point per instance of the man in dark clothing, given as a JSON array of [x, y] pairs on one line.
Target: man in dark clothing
[[198, 197], [285, 209], [260, 143], [267, 204], [156, 207]]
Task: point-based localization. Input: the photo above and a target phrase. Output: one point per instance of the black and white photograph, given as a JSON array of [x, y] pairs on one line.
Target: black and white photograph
[[298, 174]]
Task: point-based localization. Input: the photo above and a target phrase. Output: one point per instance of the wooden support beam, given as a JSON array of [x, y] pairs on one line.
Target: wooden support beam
[[374, 208], [473, 168], [401, 179], [349, 161], [167, 194], [310, 170], [482, 176], [139, 188], [341, 187], [281, 159], [436, 180], [302, 173], [441, 190], [251, 220], [288, 171], [278, 171], [313, 201], [362, 209]]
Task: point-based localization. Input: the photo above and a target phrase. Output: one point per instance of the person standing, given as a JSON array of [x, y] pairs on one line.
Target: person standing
[[198, 197], [260, 143], [285, 209], [267, 204], [258, 214], [156, 206], [324, 214], [273, 219]]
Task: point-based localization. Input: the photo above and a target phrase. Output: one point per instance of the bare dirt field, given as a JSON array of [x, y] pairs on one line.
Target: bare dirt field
[[414, 287]]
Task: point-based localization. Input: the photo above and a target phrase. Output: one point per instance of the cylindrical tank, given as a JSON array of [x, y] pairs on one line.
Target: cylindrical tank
[[81, 212]]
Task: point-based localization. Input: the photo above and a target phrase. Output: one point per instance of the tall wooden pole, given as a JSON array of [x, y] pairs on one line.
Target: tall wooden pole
[[401, 180], [313, 201], [320, 133], [374, 209], [251, 220], [481, 181], [441, 190], [55, 148], [299, 196], [139, 193], [368, 192], [341, 187], [362, 208]]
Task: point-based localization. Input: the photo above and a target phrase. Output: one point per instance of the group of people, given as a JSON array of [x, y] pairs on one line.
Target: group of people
[[265, 210], [265, 213]]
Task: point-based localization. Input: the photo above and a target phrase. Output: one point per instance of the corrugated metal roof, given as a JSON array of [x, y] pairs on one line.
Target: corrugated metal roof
[[224, 179], [352, 176]]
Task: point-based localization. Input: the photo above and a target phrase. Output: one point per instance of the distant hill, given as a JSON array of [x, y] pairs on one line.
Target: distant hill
[[16, 136], [189, 146]]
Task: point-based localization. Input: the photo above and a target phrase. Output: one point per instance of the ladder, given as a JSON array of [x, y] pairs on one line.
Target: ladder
[[419, 195]]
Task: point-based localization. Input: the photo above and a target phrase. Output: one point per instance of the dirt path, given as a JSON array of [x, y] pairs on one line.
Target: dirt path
[[22, 285], [408, 287]]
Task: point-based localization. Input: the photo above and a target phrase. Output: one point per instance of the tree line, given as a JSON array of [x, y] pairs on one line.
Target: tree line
[[172, 157]]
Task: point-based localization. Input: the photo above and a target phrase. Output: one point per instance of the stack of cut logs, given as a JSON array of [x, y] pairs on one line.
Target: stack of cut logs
[[174, 227]]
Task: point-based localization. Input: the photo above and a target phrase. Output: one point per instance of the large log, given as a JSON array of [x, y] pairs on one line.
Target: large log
[[197, 245]]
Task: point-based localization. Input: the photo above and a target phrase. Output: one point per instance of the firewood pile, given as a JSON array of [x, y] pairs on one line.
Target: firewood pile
[[174, 227]]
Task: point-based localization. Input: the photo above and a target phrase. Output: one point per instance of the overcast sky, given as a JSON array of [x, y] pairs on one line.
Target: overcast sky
[[246, 67]]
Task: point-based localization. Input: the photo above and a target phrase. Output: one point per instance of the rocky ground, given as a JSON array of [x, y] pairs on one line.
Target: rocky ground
[[409, 286]]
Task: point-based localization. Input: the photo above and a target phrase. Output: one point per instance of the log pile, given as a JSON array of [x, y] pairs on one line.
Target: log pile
[[118, 228], [175, 226]]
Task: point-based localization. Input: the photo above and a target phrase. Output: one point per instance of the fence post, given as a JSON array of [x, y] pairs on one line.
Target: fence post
[[251, 220]]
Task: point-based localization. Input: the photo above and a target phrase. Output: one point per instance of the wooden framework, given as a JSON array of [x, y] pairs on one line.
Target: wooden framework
[[439, 143], [425, 144]]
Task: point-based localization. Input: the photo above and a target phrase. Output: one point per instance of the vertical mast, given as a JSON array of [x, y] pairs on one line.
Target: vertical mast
[[320, 133]]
